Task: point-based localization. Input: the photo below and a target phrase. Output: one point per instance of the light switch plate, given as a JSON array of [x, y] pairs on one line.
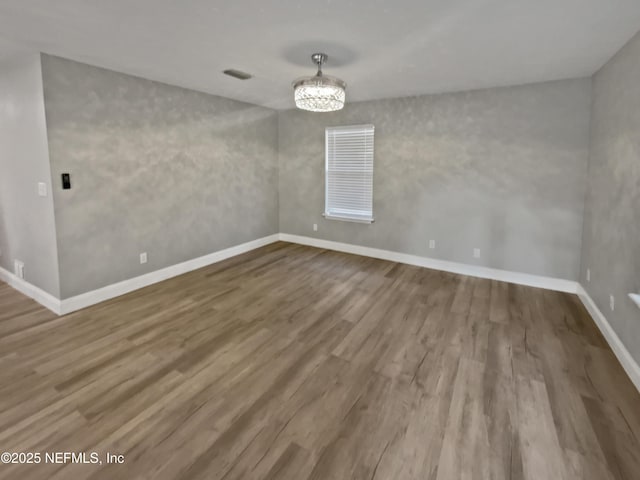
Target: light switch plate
[[42, 189]]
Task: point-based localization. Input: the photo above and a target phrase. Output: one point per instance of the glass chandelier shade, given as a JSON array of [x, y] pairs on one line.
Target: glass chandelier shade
[[320, 93]]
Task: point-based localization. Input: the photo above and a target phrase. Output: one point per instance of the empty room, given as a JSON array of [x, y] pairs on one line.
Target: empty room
[[295, 240]]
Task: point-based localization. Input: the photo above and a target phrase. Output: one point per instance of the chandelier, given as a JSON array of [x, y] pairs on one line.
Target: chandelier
[[319, 93]]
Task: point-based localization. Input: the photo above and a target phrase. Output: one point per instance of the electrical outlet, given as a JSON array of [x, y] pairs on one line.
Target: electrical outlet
[[432, 244], [143, 257], [588, 274], [612, 303], [476, 253], [18, 268], [42, 189], [315, 227]]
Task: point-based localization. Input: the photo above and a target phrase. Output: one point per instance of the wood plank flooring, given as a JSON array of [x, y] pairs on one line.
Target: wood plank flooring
[[291, 362]]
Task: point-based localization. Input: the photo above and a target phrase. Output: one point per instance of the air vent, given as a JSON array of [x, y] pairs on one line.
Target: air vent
[[237, 74]]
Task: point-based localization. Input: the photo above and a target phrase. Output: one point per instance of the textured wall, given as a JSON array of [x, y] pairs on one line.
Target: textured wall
[[502, 169], [612, 217], [154, 168], [27, 226]]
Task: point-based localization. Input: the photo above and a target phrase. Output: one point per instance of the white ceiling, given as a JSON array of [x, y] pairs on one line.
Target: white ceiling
[[381, 48]]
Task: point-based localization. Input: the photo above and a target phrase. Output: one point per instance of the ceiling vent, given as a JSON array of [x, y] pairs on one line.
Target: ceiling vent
[[237, 74]]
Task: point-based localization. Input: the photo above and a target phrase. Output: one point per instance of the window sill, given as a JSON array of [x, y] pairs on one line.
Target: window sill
[[348, 219]]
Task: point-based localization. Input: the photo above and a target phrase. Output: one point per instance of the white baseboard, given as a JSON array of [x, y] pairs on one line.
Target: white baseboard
[[453, 267], [624, 357], [87, 299], [78, 302], [68, 305], [43, 298], [628, 363]]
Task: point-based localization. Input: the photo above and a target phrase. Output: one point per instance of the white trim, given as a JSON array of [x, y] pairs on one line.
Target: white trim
[[43, 298], [453, 267], [630, 366], [345, 218], [87, 299], [626, 360], [69, 305]]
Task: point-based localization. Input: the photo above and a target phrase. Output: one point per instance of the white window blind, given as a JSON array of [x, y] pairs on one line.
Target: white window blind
[[349, 173]]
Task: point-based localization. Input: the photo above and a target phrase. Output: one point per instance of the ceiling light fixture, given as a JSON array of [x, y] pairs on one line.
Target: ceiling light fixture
[[319, 93]]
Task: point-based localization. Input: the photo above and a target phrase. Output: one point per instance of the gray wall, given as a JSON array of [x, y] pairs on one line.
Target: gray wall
[[503, 170], [171, 172], [27, 225], [612, 217]]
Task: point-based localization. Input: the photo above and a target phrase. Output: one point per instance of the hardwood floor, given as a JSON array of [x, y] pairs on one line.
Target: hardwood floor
[[291, 362]]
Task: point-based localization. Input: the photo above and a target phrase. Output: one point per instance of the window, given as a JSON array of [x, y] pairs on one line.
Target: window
[[349, 173]]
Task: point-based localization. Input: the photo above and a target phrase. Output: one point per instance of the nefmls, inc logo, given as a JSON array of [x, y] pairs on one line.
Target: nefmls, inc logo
[[72, 457]]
